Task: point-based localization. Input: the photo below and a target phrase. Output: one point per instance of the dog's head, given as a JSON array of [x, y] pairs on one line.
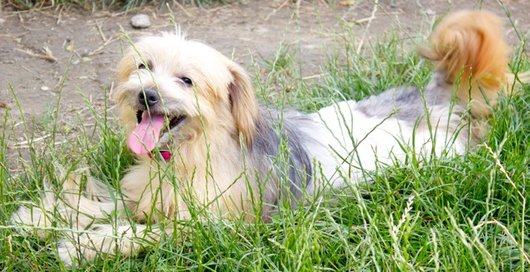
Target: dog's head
[[171, 90]]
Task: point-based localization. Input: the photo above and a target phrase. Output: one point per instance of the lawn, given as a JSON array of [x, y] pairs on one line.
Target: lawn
[[467, 213]]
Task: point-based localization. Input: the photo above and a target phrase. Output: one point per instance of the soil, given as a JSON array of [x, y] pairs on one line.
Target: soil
[[83, 48]]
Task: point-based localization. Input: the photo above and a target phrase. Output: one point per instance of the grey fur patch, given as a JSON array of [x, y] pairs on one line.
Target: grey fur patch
[[404, 104], [287, 169], [410, 105], [407, 103]]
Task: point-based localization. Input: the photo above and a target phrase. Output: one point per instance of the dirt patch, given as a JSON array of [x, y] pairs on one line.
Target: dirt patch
[[46, 54]]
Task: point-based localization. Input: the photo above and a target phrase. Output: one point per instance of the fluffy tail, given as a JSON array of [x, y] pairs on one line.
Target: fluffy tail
[[470, 51]]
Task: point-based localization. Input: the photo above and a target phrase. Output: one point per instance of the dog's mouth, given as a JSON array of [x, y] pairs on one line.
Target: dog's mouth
[[150, 127], [174, 121]]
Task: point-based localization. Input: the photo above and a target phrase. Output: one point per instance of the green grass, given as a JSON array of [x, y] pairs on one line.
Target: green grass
[[468, 213]]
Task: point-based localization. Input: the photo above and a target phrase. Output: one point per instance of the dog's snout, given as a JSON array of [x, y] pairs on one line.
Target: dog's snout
[[148, 97]]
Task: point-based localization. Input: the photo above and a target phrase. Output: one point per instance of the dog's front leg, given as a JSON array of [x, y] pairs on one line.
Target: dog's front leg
[[103, 240], [69, 206]]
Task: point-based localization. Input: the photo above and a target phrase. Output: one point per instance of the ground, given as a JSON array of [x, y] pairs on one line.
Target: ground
[[71, 54]]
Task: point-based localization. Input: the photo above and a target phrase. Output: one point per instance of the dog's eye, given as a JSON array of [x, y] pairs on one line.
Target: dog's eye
[[187, 81], [145, 66]]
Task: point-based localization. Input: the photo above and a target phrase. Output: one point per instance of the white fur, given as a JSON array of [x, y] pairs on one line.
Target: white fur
[[350, 144]]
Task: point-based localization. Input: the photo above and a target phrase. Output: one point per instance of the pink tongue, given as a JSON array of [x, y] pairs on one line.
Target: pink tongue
[[146, 134]]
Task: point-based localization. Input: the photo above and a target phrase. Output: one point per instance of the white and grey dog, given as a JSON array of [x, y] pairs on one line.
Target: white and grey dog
[[199, 134]]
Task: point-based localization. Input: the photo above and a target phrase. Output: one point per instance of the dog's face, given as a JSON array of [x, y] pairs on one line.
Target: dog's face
[[171, 90]]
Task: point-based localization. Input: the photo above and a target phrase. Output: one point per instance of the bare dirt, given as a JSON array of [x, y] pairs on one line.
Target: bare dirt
[[69, 53]]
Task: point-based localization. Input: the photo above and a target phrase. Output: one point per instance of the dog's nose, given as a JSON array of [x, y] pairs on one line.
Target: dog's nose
[[148, 97]]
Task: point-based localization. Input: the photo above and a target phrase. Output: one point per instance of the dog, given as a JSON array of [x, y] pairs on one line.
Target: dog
[[203, 142]]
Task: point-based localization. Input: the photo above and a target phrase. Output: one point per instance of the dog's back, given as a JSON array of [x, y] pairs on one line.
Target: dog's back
[[471, 59]]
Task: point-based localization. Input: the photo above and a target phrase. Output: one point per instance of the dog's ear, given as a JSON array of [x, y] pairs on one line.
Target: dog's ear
[[243, 102]]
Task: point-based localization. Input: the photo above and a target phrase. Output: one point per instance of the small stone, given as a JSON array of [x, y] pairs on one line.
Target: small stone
[[2, 21], [86, 59], [140, 21], [69, 45], [347, 3], [44, 88], [430, 12]]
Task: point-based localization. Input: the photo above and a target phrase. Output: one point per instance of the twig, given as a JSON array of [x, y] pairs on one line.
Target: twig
[[26, 142], [276, 9], [28, 146], [101, 34], [101, 47], [363, 20], [183, 9], [18, 124], [347, 3], [60, 15], [46, 56], [297, 10], [372, 17], [314, 76]]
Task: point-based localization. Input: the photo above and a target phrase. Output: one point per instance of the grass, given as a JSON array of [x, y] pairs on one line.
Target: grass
[[467, 213]]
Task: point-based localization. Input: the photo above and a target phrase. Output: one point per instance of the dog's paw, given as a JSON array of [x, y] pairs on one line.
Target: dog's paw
[[73, 252], [67, 252], [80, 247], [31, 220], [87, 245], [23, 216]]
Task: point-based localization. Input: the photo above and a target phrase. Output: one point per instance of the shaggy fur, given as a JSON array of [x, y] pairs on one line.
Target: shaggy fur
[[183, 98]]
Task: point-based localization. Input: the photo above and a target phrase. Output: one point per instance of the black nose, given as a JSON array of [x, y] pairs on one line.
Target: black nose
[[148, 97]]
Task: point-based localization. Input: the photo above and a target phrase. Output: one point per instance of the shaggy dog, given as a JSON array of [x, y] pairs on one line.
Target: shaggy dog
[[203, 142]]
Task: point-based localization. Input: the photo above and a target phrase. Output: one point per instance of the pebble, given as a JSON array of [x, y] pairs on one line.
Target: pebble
[[140, 21], [430, 12], [44, 88]]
